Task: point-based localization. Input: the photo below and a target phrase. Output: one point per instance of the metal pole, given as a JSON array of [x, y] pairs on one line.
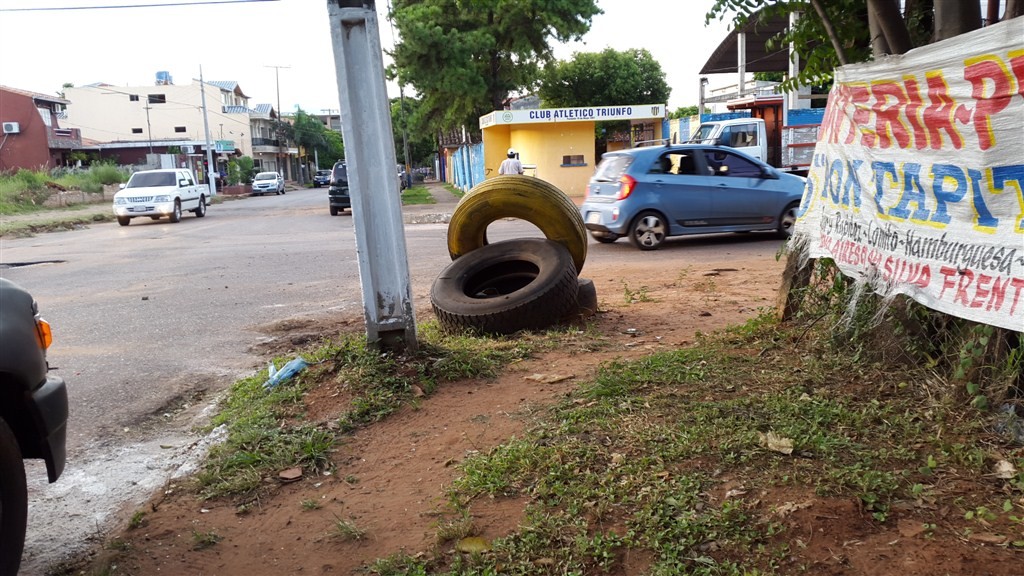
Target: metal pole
[[370, 156], [280, 139], [206, 130]]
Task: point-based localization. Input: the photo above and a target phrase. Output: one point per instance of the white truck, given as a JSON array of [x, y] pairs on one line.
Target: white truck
[[789, 150], [160, 193]]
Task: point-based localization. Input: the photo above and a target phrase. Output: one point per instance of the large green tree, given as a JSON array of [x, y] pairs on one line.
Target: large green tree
[[836, 32], [408, 123], [606, 78], [466, 57]]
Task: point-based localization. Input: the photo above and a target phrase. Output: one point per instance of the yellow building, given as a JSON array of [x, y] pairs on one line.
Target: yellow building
[[557, 144]]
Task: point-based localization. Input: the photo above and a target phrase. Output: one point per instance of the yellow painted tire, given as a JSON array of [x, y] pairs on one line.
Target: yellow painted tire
[[532, 199]]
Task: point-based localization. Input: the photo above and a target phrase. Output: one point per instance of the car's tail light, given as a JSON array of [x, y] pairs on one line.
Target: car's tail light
[[43, 333], [626, 185]]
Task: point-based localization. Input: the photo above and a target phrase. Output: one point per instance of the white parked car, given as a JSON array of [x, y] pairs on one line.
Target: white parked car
[[265, 182], [160, 193]]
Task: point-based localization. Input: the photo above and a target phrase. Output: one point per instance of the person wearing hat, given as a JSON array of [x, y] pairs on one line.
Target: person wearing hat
[[511, 165]]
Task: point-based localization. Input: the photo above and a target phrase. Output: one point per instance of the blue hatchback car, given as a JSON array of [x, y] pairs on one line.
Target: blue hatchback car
[[650, 194]]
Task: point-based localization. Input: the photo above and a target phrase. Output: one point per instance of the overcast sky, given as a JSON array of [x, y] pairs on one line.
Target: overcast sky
[[243, 41]]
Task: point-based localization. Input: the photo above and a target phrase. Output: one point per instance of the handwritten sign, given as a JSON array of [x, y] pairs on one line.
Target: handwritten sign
[[917, 181]]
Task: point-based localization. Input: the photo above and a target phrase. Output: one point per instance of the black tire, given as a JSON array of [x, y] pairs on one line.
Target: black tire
[[200, 211], [604, 237], [334, 211], [176, 213], [648, 230], [787, 220], [586, 297], [123, 220], [531, 199], [13, 501], [283, 191], [501, 288]]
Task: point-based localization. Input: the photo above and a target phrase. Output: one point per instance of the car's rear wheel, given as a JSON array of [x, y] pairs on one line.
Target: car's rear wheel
[[787, 220], [123, 220], [13, 501], [176, 213], [200, 211], [604, 237], [648, 230]]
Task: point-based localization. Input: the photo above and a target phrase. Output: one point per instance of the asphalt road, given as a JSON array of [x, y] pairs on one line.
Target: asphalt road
[[156, 316]]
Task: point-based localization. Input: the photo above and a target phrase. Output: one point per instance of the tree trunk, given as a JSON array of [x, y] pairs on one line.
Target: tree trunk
[[827, 23], [1014, 9], [955, 17], [992, 12], [879, 47], [887, 15]]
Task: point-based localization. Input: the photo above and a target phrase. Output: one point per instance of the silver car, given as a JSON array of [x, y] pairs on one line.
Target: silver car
[[267, 182]]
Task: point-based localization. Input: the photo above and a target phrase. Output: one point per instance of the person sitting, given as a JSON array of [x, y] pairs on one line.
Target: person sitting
[[511, 165]]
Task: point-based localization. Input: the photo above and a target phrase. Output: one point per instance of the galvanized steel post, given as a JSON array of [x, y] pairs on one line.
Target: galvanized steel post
[[370, 156]]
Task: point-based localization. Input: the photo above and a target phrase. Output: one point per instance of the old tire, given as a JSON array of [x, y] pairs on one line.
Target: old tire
[[530, 199], [787, 220], [648, 230], [13, 501], [501, 288], [200, 211], [586, 297], [124, 220], [176, 213]]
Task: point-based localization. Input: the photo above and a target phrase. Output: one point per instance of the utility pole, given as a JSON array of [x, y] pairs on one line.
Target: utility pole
[[149, 129], [370, 152], [280, 134], [206, 132]]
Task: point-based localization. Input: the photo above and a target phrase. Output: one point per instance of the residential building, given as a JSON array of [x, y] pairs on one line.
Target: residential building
[[128, 123], [31, 137]]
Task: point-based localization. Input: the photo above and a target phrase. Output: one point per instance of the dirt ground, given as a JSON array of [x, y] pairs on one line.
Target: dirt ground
[[390, 478]]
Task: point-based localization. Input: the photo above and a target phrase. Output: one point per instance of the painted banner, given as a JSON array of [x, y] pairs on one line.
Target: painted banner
[[917, 181]]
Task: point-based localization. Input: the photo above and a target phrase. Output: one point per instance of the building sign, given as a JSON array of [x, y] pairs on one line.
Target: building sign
[[224, 146], [582, 114], [917, 182]]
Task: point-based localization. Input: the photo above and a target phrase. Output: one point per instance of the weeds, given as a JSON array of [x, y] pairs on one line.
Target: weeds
[[203, 540], [346, 530]]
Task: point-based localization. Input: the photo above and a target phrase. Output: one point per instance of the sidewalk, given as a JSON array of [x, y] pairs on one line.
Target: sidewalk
[[438, 213]]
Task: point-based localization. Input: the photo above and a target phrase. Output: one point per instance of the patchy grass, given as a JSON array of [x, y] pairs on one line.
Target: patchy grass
[[268, 431], [694, 460], [417, 195]]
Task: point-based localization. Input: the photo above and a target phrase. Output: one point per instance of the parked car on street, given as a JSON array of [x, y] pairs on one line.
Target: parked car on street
[[267, 182], [321, 178], [33, 414], [338, 198], [159, 193], [649, 194]]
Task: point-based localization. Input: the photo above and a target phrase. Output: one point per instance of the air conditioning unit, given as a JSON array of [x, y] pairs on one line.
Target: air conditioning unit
[[12, 128]]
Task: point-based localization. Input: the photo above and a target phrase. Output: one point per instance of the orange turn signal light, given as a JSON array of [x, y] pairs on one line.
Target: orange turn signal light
[[44, 333]]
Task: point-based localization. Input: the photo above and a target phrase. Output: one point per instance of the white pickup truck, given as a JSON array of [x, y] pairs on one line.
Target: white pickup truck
[[159, 193], [789, 150]]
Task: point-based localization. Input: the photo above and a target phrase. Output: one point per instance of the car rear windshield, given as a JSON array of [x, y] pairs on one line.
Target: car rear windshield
[[340, 173], [611, 168], [150, 179]]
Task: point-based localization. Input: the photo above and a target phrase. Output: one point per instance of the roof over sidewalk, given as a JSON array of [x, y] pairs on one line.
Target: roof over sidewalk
[[758, 29]]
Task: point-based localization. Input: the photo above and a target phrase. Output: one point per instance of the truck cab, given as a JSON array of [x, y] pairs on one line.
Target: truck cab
[[744, 134]]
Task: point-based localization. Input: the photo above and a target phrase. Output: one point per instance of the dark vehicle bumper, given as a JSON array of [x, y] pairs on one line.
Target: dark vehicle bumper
[[49, 412], [339, 200]]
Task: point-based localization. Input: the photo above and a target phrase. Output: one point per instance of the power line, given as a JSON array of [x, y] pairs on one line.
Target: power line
[[160, 5]]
